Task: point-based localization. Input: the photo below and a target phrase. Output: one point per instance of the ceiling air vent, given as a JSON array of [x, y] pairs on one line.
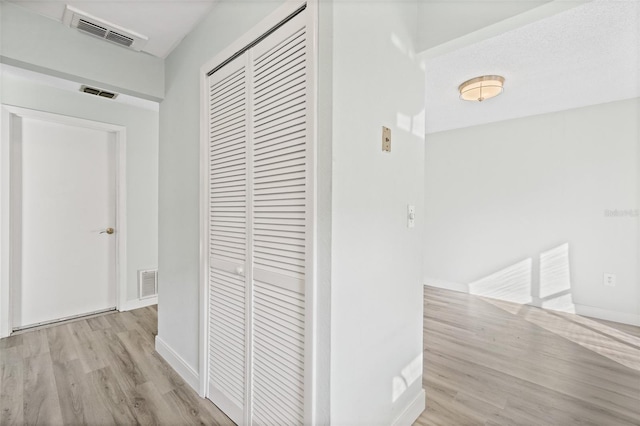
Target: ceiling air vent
[[94, 29], [93, 26], [98, 92], [119, 38]]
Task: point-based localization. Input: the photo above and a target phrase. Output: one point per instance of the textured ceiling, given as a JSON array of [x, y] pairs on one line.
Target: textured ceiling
[[584, 56], [164, 22], [444, 20]]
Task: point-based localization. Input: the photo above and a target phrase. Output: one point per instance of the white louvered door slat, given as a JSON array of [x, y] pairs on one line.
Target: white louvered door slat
[[279, 190], [259, 198], [228, 228]]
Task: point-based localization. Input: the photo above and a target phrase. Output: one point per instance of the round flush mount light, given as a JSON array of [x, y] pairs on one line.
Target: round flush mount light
[[481, 88]]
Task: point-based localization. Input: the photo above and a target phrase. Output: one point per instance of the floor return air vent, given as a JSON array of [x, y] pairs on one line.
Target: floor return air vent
[[147, 283]]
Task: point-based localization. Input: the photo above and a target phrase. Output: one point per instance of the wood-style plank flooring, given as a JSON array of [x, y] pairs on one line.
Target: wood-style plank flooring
[[97, 371], [486, 363], [489, 362]]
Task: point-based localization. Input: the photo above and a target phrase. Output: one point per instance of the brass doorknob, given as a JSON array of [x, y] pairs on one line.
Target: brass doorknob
[[108, 231]]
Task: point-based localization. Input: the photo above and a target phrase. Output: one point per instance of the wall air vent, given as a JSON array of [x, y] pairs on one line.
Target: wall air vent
[[96, 27], [98, 92], [147, 283]]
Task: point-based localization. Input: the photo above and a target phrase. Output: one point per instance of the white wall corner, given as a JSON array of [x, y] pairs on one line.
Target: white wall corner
[[448, 285], [5, 189], [130, 305], [607, 315], [178, 364], [413, 410]]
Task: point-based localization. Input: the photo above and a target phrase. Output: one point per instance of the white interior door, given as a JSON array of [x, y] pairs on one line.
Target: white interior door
[[64, 196], [280, 204], [229, 288], [258, 229]]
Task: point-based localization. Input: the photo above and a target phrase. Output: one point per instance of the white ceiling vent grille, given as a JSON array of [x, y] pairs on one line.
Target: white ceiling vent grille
[[147, 283], [96, 27]]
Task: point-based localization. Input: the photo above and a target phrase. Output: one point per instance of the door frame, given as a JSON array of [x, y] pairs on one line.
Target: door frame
[[315, 354], [11, 116]]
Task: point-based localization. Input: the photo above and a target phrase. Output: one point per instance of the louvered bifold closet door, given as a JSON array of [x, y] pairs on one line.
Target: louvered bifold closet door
[[228, 229], [279, 189]]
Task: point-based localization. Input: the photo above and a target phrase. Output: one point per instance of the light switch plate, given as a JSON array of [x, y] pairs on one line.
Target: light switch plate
[[386, 139], [411, 216]]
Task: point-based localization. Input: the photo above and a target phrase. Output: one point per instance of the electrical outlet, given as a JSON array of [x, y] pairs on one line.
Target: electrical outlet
[[609, 280]]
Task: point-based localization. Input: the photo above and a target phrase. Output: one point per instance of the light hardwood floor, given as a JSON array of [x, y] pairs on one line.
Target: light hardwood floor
[[486, 363], [497, 363], [97, 371]]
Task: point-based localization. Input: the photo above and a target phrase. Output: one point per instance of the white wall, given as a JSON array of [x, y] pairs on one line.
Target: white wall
[[178, 313], [523, 203], [142, 159], [44, 45], [376, 283]]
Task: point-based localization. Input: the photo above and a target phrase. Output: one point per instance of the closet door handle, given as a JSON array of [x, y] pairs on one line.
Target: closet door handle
[[240, 271]]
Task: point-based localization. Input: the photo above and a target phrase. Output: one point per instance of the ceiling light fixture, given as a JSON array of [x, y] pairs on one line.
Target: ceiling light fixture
[[481, 88]]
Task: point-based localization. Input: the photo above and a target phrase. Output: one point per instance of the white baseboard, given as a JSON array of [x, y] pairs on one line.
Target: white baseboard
[[413, 411], [130, 305], [176, 362], [605, 314], [447, 285]]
